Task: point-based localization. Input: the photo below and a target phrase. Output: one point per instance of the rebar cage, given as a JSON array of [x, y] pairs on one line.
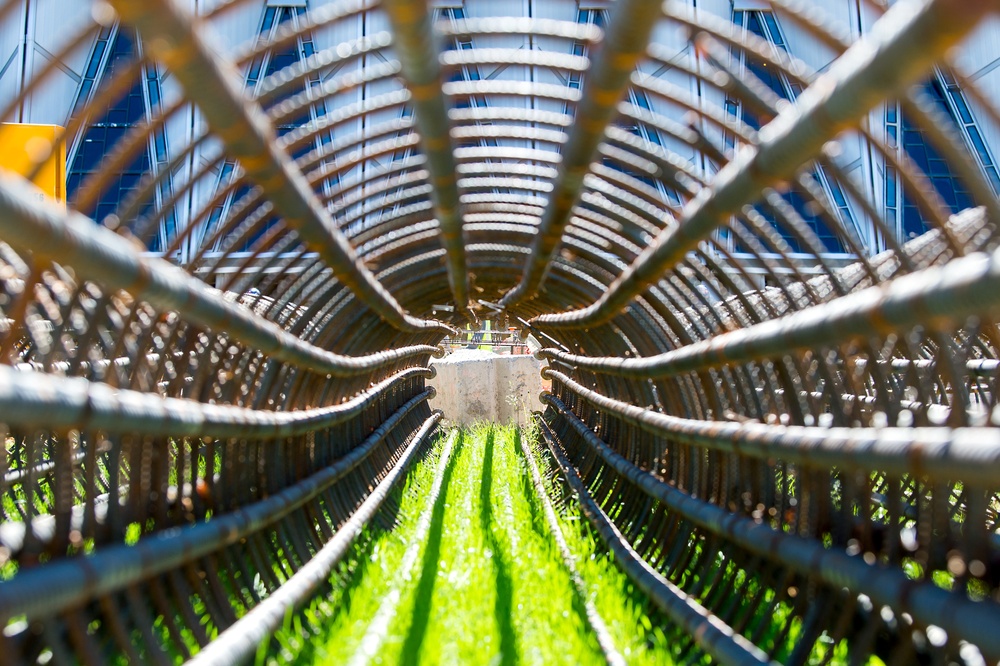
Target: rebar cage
[[210, 387]]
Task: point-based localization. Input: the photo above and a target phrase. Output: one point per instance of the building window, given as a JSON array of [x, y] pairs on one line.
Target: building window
[[113, 52], [596, 17], [274, 17], [596, 13], [764, 24], [962, 115], [466, 72], [903, 134]]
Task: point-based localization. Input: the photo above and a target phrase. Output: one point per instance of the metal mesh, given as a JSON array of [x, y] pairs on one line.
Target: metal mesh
[[748, 400]]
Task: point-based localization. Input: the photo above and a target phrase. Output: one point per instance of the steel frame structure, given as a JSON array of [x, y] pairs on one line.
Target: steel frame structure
[[824, 446]]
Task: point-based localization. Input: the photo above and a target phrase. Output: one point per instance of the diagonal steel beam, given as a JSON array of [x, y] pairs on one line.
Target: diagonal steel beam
[[625, 40], [899, 52], [415, 44], [173, 37]]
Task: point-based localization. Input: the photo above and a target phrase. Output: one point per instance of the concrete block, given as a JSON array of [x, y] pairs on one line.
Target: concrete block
[[474, 385]]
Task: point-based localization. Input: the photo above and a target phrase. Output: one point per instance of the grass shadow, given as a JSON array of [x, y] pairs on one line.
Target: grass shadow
[[504, 586], [527, 486], [429, 568]]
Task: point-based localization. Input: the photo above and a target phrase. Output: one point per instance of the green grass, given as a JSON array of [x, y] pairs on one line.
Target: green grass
[[475, 577], [486, 585], [625, 610]]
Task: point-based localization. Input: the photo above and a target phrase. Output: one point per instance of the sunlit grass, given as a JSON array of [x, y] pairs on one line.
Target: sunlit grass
[[487, 585], [475, 577], [625, 610]]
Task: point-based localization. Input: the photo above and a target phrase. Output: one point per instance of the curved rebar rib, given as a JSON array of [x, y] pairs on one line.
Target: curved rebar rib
[[179, 44], [916, 35], [414, 35], [624, 43]]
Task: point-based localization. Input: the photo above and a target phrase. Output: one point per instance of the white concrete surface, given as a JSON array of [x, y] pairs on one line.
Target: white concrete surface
[[474, 385]]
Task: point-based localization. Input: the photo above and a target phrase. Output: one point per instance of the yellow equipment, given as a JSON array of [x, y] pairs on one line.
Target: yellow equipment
[[23, 146]]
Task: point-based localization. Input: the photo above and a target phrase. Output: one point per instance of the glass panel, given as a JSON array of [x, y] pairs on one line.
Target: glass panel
[[979, 145], [95, 61], [961, 106], [951, 189], [268, 21], [890, 187], [776, 82], [109, 126], [772, 28]]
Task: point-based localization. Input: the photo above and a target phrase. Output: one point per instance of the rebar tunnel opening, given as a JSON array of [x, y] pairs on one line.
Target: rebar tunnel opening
[[752, 249]]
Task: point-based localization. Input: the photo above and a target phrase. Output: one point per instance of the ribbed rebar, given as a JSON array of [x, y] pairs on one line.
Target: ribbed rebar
[[178, 41], [414, 40], [49, 590], [240, 641], [929, 604], [913, 37], [937, 298], [717, 639], [615, 58], [100, 255]]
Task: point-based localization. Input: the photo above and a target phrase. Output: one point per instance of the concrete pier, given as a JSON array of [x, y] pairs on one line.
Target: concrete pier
[[474, 385]]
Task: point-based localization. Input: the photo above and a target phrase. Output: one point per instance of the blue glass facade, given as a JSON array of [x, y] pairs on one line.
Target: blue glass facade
[[764, 25], [105, 131], [913, 140], [116, 49]]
